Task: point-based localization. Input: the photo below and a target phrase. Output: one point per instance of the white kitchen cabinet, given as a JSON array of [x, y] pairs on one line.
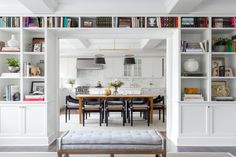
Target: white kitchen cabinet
[[223, 120], [147, 67], [194, 120], [23, 120], [157, 67], [68, 68], [10, 120], [152, 67], [114, 67]]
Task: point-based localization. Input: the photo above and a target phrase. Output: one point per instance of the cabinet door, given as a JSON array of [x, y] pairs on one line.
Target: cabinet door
[[223, 120], [114, 68], [147, 67], [157, 67], [194, 120], [68, 68], [10, 120], [35, 120]]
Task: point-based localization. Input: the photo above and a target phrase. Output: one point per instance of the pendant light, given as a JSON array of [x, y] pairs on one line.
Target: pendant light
[[100, 59], [129, 59]]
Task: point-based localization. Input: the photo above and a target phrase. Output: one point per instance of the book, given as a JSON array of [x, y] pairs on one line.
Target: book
[[12, 93], [223, 98]]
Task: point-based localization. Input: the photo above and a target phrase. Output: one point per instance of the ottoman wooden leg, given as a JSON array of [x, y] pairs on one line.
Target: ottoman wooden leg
[[66, 155], [59, 154], [112, 155]]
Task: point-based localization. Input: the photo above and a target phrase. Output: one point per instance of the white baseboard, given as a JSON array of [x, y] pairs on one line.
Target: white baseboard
[[206, 141], [27, 141]]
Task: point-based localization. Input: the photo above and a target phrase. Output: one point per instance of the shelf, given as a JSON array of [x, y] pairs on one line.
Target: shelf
[[194, 53], [194, 30], [223, 53], [9, 77], [34, 77], [34, 53], [34, 29], [9, 53], [191, 77], [223, 77], [10, 29]]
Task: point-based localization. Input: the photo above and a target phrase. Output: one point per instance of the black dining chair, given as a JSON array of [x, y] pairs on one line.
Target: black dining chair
[[70, 104], [115, 105], [93, 105], [159, 104], [139, 105]]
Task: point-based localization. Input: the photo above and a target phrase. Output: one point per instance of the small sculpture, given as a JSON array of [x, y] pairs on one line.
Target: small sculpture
[[34, 71]]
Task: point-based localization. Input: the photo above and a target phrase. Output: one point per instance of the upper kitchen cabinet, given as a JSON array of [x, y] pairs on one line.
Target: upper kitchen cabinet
[[153, 67], [114, 67], [68, 68]]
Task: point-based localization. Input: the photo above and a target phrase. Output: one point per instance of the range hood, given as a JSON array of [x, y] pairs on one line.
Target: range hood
[[88, 64]]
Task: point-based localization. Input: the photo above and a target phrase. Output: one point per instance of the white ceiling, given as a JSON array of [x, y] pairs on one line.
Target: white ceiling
[[118, 7]]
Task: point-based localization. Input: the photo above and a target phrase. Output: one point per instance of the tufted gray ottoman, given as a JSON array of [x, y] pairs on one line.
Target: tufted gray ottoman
[[112, 142]]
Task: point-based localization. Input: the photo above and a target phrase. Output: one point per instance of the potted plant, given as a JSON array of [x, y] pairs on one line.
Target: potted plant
[[13, 65], [116, 84], [71, 82], [221, 45]]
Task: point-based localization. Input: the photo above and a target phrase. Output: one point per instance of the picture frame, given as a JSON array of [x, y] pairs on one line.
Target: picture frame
[[228, 72], [215, 85], [218, 61], [124, 22], [37, 44], [215, 71], [37, 87], [151, 22]]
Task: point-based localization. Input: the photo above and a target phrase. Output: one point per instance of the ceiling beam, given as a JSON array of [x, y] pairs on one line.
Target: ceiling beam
[[182, 6], [40, 6]]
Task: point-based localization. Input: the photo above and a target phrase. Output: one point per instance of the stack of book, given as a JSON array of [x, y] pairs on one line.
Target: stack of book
[[138, 22], [10, 49], [33, 21], [124, 22], [104, 22], [228, 98], [220, 22], [194, 46], [193, 97], [9, 21], [12, 93], [194, 22], [34, 98]]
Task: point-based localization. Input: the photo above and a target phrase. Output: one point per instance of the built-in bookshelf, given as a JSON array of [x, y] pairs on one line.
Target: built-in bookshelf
[[208, 45], [29, 52]]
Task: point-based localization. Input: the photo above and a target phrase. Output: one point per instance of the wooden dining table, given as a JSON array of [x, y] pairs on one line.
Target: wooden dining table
[[104, 97]]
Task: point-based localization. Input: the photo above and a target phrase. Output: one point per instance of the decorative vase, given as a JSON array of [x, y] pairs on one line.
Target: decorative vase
[[13, 69], [107, 91], [115, 91], [191, 65], [13, 42]]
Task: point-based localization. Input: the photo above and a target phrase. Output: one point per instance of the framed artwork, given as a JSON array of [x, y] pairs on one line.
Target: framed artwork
[[37, 44], [151, 22], [37, 87], [218, 61], [228, 72], [215, 85], [215, 71]]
